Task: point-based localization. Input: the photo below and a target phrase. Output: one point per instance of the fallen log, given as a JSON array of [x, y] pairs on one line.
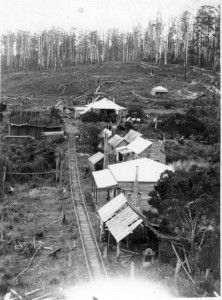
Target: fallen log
[[46, 295], [105, 82], [100, 93], [83, 96], [16, 294], [212, 89], [146, 65], [55, 252], [137, 95], [33, 292], [63, 91], [97, 90], [29, 263]]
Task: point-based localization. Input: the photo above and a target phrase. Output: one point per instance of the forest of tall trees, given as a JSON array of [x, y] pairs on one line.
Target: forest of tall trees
[[195, 40]]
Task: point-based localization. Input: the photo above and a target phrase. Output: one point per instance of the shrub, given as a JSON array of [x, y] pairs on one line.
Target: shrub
[[92, 117], [59, 140], [136, 111], [4, 286]]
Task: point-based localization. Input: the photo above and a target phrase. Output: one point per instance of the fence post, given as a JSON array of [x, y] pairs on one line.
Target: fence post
[[61, 176], [3, 180], [2, 230], [57, 168], [132, 270]]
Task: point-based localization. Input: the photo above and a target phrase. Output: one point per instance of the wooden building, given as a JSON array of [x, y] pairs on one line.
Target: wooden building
[[33, 123], [104, 106], [121, 177], [157, 152], [96, 161], [138, 148], [125, 223]]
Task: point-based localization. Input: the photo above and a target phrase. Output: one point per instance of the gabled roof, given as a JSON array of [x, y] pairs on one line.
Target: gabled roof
[[103, 104], [149, 170], [131, 135], [115, 140], [96, 157], [139, 145], [119, 217], [104, 178]]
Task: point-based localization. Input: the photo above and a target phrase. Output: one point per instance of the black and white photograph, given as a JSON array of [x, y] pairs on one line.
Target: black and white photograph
[[110, 130]]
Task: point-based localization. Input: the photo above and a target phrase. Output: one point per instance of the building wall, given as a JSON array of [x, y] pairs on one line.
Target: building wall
[[34, 131], [144, 187], [145, 153], [17, 139]]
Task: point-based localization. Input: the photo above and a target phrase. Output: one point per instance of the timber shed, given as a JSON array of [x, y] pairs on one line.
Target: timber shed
[[122, 219], [96, 161]]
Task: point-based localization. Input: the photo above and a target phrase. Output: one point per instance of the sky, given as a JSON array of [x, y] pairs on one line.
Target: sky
[[37, 15]]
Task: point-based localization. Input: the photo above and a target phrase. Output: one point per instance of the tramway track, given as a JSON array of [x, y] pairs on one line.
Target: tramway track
[[94, 261]]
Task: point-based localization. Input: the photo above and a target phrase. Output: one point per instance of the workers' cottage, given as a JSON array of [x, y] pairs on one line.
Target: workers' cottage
[[138, 148], [126, 177]]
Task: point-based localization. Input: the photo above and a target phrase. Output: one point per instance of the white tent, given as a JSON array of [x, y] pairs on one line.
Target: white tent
[[159, 90]]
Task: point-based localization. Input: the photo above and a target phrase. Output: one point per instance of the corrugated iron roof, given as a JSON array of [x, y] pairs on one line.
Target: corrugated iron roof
[[139, 145], [119, 217], [115, 140], [149, 170], [96, 157], [123, 150], [111, 207], [131, 135], [104, 178]]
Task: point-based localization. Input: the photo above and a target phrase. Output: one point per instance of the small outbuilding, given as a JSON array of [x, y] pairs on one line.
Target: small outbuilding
[[138, 148], [96, 161], [159, 90], [119, 217], [78, 110]]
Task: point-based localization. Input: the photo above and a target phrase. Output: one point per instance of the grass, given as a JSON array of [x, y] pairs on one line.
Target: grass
[[38, 207]]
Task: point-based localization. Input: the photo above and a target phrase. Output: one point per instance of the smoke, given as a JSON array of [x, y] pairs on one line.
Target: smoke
[[186, 165]]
